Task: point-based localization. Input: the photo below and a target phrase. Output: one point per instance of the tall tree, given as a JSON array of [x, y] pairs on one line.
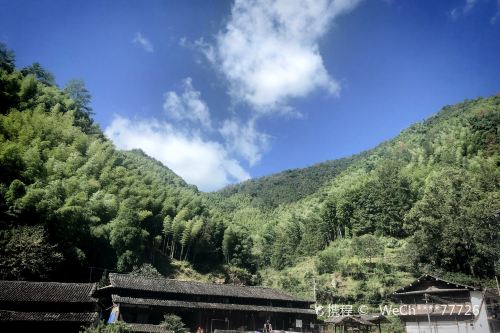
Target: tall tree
[[454, 224], [40, 73], [7, 58], [26, 254], [78, 92]]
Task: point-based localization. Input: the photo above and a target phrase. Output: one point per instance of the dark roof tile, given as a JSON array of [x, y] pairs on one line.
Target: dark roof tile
[[79, 317], [204, 305], [147, 328], [27, 291], [163, 285]]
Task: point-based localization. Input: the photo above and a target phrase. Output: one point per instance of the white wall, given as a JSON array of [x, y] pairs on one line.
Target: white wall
[[478, 325], [480, 321], [440, 327]]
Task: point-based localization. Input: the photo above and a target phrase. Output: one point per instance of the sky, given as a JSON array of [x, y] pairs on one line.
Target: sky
[[224, 91]]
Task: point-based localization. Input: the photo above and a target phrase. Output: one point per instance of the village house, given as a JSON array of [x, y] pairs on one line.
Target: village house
[[142, 302], [47, 306], [434, 305]]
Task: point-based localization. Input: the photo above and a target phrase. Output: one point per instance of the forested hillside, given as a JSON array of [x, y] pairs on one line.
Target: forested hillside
[[424, 201], [360, 226], [69, 200], [290, 185]]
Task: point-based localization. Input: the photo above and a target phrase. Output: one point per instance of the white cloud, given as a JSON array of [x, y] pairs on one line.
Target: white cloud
[[187, 106], [199, 45], [145, 43], [269, 50], [244, 140], [457, 12], [201, 162], [182, 145], [240, 139], [469, 4]]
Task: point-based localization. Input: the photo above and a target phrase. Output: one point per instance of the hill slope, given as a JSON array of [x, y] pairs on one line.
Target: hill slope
[[295, 184], [361, 226], [290, 185], [69, 200], [422, 201]]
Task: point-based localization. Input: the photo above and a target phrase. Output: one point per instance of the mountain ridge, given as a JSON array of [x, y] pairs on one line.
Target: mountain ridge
[[318, 172], [361, 225]]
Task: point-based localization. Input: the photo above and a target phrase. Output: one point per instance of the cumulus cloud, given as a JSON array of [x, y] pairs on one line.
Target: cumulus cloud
[[244, 140], [144, 42], [204, 163], [187, 106], [269, 50]]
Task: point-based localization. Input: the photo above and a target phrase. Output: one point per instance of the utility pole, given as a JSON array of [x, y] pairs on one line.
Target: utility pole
[[497, 216], [314, 289], [428, 314]]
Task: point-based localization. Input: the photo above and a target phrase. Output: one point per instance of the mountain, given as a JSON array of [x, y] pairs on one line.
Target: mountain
[[423, 201], [72, 204], [290, 185], [69, 200], [295, 184]]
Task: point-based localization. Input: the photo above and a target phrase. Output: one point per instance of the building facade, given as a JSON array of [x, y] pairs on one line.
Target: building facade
[[206, 306], [434, 305]]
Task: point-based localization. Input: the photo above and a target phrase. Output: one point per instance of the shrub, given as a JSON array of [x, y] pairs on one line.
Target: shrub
[[173, 323], [328, 259], [101, 327]]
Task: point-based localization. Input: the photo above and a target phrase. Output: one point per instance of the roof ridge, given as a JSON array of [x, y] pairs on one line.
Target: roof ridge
[[191, 281], [228, 288], [50, 282], [449, 282], [428, 275]]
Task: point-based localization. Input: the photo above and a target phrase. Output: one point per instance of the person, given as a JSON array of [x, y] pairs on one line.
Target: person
[[200, 330], [268, 328]]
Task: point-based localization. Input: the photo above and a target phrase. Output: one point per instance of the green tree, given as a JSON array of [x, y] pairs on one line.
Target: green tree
[[26, 254], [173, 323], [329, 259], [102, 327], [77, 91], [7, 59], [454, 224], [28, 91], [146, 270], [367, 246], [40, 73], [286, 246], [237, 247], [328, 215]]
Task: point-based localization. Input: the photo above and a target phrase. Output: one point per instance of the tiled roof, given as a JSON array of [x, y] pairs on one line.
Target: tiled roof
[[147, 328], [204, 305], [79, 317], [428, 281], [124, 281], [27, 291]]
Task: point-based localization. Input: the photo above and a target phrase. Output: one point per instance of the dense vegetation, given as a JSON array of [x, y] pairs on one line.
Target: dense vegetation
[[69, 200], [358, 227], [290, 185], [424, 201]]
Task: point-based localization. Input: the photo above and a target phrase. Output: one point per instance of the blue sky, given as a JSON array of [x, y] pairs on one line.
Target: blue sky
[[221, 91]]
